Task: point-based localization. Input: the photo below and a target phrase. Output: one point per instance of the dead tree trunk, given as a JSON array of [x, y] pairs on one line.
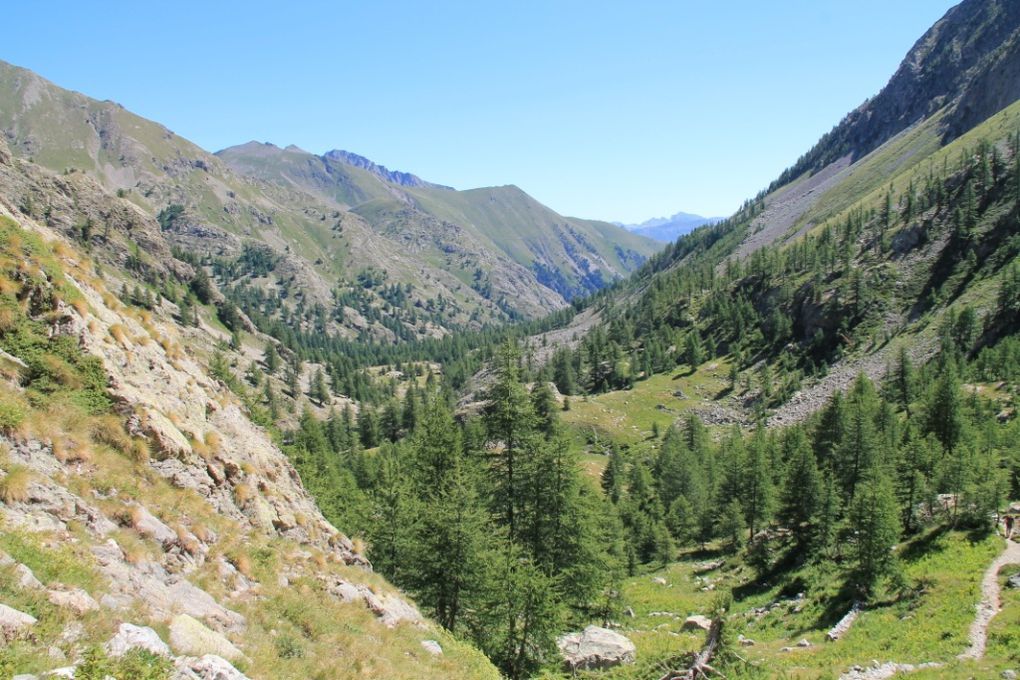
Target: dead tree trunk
[[699, 667]]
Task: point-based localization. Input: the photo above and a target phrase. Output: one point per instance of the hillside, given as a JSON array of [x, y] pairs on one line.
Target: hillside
[[570, 257], [271, 414], [460, 266], [140, 503]]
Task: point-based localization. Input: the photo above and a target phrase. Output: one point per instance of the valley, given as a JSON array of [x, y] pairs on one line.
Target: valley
[[268, 413]]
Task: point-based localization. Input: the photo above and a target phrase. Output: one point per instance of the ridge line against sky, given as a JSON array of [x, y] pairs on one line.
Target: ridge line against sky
[[615, 112]]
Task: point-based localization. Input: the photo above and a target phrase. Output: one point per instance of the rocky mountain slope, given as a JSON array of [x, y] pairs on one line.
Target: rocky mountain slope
[[340, 227], [893, 225], [139, 503]]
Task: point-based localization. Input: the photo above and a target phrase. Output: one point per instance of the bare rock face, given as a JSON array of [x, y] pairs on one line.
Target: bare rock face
[[595, 648], [130, 637], [189, 636]]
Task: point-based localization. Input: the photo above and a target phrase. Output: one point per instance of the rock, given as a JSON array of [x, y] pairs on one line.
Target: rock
[[432, 647], [786, 649], [65, 672], [745, 642], [804, 643], [391, 609], [697, 622], [150, 526], [130, 637], [25, 677], [595, 648], [659, 581], [26, 579], [1014, 580], [628, 612], [191, 637], [75, 599], [13, 622], [1009, 674], [6, 560], [207, 667]]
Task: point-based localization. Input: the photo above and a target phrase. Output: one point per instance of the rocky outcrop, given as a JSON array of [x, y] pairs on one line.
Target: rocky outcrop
[[595, 648]]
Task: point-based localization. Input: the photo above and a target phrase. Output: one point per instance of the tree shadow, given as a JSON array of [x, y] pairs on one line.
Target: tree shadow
[[925, 544]]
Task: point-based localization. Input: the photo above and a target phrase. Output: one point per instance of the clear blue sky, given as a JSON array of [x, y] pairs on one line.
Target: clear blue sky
[[619, 111]]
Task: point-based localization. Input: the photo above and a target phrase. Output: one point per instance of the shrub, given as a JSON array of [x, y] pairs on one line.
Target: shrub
[[11, 415]]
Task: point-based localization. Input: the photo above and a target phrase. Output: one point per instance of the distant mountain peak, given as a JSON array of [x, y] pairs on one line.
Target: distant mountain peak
[[667, 229], [405, 179]]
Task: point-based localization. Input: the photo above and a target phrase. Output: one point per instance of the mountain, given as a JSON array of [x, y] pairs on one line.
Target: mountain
[[341, 230], [571, 257], [150, 527], [668, 229]]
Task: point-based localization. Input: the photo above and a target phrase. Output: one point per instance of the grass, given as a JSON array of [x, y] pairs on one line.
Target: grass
[[943, 569], [14, 485], [629, 416]]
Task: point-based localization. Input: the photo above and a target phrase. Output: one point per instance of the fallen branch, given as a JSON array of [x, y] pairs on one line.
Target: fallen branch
[[699, 667]]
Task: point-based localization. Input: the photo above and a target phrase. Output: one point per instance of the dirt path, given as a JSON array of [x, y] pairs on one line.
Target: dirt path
[[989, 605], [986, 611]]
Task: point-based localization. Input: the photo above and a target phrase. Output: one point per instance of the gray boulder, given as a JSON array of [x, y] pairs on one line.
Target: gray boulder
[[595, 648], [13, 622], [207, 667], [130, 637], [697, 622]]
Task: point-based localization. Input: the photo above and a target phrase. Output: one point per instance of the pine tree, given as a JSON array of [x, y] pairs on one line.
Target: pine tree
[[756, 491], [944, 409], [319, 389], [875, 520], [509, 419], [271, 358], [452, 543], [802, 493]]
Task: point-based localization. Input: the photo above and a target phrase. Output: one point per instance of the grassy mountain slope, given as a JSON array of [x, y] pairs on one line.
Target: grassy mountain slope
[[135, 488], [299, 206], [569, 256]]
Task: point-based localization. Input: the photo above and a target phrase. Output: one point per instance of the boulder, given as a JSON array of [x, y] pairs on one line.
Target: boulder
[[191, 637], [432, 647], [1014, 580], [207, 667], [75, 599], [130, 637], [26, 579], [697, 622], [12, 622], [150, 526], [595, 648], [658, 580]]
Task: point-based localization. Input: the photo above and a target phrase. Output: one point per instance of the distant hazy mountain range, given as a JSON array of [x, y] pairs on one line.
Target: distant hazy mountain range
[[667, 229]]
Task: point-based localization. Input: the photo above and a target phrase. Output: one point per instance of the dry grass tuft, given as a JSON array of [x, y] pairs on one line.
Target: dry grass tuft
[[188, 542], [14, 486], [201, 532], [243, 493], [241, 562], [109, 430], [214, 441], [118, 333]]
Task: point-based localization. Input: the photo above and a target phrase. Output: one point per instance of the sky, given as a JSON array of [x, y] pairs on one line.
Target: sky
[[618, 111]]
